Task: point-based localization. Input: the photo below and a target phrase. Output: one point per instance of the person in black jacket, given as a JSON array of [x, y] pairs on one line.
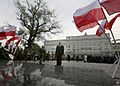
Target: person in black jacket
[[59, 52]]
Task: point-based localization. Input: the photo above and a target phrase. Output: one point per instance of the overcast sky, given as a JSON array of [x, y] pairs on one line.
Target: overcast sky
[[64, 9]]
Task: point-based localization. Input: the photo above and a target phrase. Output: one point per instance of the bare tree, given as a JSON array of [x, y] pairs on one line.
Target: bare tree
[[37, 18]]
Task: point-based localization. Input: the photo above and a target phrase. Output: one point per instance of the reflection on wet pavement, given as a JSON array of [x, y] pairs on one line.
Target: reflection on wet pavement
[[33, 74]]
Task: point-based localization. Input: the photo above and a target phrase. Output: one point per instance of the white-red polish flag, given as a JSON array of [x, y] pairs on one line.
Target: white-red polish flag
[[17, 43], [101, 28], [12, 39], [111, 6], [88, 16], [111, 22], [2, 33], [10, 30]]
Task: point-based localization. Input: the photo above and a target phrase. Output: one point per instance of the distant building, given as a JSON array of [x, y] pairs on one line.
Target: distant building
[[116, 47], [82, 45]]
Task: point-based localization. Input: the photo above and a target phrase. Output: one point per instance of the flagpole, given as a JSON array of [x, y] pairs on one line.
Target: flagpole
[[105, 35], [110, 30], [118, 56], [111, 47]]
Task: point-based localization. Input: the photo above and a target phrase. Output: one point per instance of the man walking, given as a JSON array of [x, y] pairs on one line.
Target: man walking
[[59, 52]]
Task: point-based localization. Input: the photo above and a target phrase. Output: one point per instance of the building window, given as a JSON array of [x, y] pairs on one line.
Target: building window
[[98, 44], [69, 46], [105, 43]]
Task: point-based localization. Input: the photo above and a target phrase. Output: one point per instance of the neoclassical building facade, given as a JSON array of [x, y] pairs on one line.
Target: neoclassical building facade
[[82, 45]]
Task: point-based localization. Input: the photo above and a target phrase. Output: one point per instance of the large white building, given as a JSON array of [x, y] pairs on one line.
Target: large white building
[[82, 45]]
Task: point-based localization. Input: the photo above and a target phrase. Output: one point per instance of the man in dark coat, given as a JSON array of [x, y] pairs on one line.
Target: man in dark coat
[[59, 52]]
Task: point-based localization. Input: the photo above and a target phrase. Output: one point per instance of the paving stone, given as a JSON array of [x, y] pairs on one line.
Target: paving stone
[[69, 74]]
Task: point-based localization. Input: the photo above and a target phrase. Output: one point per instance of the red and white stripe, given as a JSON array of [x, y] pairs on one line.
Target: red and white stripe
[[111, 22], [12, 39], [88, 16], [101, 28], [111, 6], [2, 33], [10, 30]]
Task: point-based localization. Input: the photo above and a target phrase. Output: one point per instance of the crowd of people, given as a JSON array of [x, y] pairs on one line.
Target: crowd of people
[[42, 55], [101, 59], [90, 58]]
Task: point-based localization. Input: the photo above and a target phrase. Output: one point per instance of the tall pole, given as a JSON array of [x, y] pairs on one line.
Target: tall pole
[[105, 33], [118, 56], [106, 36]]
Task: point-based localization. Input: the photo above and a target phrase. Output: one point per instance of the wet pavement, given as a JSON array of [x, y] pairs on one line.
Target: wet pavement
[[34, 74]]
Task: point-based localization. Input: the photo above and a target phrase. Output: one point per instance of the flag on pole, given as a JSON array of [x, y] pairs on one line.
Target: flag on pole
[[17, 43], [88, 16], [101, 28], [12, 39], [10, 30], [111, 6], [110, 24], [2, 33]]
